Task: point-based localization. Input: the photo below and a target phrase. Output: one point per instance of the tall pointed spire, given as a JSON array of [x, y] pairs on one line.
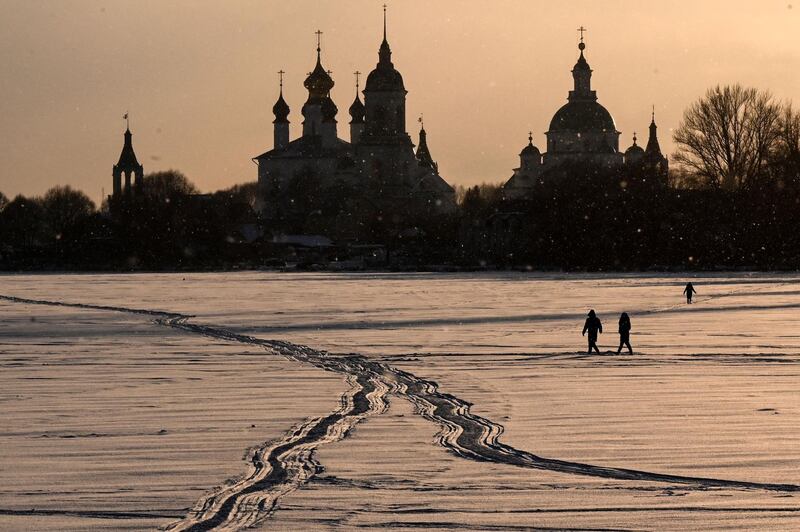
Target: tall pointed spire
[[127, 166], [423, 153], [127, 159], [385, 52], [653, 148]]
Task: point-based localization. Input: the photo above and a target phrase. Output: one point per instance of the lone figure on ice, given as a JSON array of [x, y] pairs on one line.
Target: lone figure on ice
[[624, 333], [689, 290], [593, 326]]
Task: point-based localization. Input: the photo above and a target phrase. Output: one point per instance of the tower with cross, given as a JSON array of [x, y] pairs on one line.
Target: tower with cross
[[385, 103], [582, 133], [319, 111], [127, 168], [357, 113], [281, 122], [378, 165], [582, 130]]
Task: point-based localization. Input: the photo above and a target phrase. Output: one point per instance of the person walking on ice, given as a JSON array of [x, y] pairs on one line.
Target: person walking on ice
[[593, 326], [689, 290], [624, 333]]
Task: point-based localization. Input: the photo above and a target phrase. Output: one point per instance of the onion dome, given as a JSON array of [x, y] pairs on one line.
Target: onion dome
[[384, 77], [357, 111], [635, 152], [329, 110], [319, 83], [530, 149], [280, 110]]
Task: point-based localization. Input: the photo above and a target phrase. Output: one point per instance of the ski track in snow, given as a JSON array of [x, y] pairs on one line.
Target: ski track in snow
[[279, 467]]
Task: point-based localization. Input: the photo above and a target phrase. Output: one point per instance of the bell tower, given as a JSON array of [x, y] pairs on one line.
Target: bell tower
[[385, 99], [129, 167]]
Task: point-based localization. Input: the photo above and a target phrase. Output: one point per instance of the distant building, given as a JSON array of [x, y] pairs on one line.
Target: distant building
[[129, 168], [379, 160], [581, 131]]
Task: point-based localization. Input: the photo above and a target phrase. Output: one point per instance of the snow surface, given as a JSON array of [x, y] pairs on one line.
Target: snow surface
[[109, 420]]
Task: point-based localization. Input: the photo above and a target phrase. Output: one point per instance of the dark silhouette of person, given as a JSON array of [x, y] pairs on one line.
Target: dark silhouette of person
[[689, 290], [593, 326], [624, 333]]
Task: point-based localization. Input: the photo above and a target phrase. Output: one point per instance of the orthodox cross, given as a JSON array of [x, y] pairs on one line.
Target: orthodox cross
[[357, 73], [530, 137], [581, 30], [318, 33], [281, 73]]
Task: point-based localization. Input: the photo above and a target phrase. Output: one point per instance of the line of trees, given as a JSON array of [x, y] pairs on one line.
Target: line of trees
[[732, 201], [168, 225]]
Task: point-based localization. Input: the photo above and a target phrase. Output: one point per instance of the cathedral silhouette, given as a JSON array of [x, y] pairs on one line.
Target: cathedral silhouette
[[379, 164], [582, 132], [379, 160]]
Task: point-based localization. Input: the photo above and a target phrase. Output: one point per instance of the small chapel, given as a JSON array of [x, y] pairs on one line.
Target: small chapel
[[582, 131], [378, 160]]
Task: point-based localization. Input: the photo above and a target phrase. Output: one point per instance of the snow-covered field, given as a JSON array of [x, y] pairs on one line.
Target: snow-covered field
[[435, 401]]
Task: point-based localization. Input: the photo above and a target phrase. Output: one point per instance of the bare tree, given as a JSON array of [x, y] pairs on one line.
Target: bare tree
[[3, 201], [727, 136], [789, 138]]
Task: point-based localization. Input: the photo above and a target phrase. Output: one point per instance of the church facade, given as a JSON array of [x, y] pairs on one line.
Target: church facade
[[582, 131], [379, 159]]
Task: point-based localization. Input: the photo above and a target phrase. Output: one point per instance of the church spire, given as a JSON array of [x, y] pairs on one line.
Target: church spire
[[653, 148], [385, 53], [281, 108], [357, 108], [319, 111], [280, 127], [423, 153], [582, 75], [319, 82], [127, 166], [127, 159]]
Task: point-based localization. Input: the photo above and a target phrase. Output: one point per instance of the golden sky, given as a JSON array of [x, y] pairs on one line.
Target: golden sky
[[199, 77]]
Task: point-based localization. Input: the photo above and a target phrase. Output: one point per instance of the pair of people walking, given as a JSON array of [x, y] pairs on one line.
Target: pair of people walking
[[594, 327]]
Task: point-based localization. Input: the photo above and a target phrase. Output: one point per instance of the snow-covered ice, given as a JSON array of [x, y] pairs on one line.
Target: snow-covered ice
[[117, 420]]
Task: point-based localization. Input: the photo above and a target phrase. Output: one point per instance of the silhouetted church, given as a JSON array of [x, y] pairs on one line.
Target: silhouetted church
[[129, 168], [379, 161], [582, 131]]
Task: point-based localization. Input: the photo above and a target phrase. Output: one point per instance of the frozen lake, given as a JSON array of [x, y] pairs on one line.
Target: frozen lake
[[435, 401]]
